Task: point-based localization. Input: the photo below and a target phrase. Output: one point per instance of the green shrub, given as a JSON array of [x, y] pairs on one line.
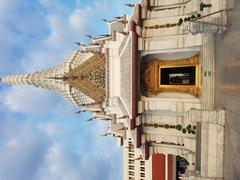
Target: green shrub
[[184, 131], [166, 126], [179, 127], [189, 127]]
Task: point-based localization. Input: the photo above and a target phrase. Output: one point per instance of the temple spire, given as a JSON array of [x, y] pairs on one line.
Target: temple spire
[[23, 79], [67, 79]]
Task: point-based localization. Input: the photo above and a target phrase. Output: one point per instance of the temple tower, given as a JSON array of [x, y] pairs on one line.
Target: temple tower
[[80, 78]]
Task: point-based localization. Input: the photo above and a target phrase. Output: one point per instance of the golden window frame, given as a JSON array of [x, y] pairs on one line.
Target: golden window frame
[[188, 62]]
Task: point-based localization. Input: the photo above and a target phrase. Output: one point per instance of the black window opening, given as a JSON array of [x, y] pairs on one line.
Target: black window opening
[[178, 76]]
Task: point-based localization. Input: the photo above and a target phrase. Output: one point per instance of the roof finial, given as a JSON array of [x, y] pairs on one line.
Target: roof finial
[[105, 35], [118, 17], [104, 20], [130, 5], [80, 44], [88, 36]]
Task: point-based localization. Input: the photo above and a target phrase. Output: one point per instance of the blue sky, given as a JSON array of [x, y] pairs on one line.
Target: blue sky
[[40, 137]]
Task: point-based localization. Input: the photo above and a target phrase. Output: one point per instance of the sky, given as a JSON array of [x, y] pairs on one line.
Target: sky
[[40, 136]]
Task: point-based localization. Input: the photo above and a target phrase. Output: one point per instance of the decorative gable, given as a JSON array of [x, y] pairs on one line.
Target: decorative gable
[[89, 77]]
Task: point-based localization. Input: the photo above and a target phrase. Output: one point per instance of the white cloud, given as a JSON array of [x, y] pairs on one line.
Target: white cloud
[[26, 99], [51, 129], [22, 148], [47, 3], [32, 153], [80, 20]]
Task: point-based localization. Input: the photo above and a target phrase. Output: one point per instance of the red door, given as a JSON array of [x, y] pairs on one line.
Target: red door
[[158, 167]]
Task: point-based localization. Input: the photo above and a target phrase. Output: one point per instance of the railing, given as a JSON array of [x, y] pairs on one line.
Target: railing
[[212, 22]]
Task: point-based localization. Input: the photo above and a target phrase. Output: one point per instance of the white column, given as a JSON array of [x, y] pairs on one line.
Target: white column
[[166, 166], [208, 71]]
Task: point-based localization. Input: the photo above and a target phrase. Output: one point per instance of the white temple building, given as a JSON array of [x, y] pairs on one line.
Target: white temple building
[[152, 77]]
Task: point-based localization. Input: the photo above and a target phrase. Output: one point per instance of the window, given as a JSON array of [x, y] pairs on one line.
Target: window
[[178, 76], [142, 168]]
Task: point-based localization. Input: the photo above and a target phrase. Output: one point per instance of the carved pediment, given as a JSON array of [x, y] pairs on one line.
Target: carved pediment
[[97, 77], [89, 77]]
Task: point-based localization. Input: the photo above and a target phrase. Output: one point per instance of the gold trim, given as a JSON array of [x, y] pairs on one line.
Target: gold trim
[[80, 78], [190, 89], [155, 68]]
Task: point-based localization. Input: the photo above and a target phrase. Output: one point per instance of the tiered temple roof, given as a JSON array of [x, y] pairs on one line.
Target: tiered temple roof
[[76, 79]]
